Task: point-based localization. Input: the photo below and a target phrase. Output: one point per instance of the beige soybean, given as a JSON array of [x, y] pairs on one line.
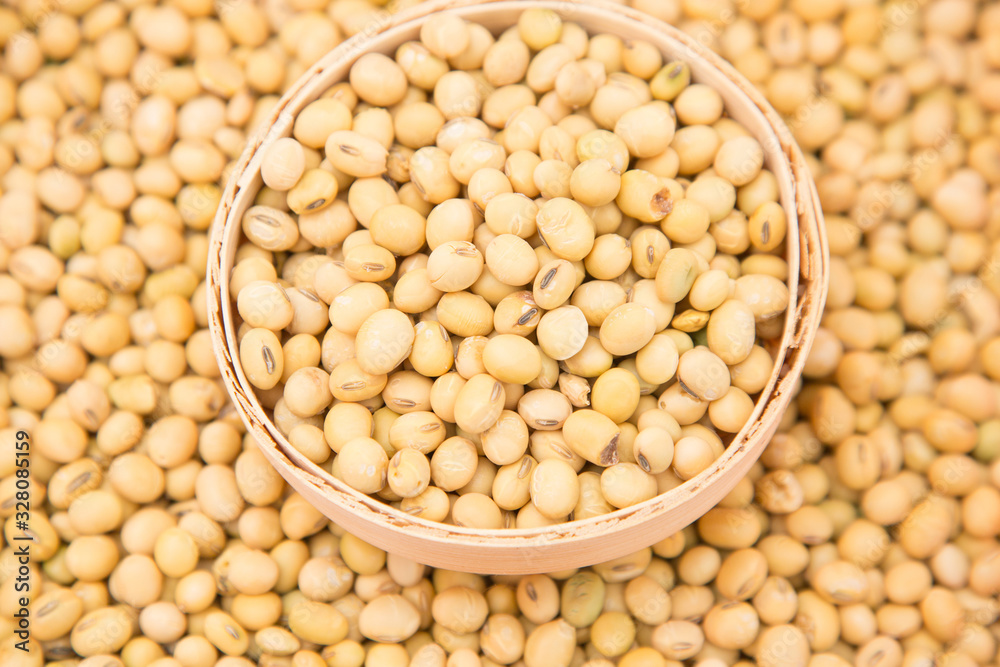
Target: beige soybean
[[416, 125], [524, 127], [432, 504], [429, 166], [345, 421], [319, 119], [512, 358], [408, 473], [283, 164], [479, 403], [766, 295], [501, 640], [419, 430], [703, 374], [389, 618], [593, 436], [554, 488], [384, 340], [398, 228], [687, 221], [627, 484], [576, 389], [511, 260], [544, 409], [473, 155], [363, 464], [485, 185], [566, 228], [512, 213], [710, 290], [597, 298], [657, 361], [767, 226], [506, 63], [692, 455], [469, 356], [55, 613], [676, 274], [696, 146], [574, 84], [475, 510], [444, 392], [413, 292], [431, 354], [653, 450], [352, 306], [739, 160], [264, 304], [592, 501], [454, 266], [307, 392], [562, 332], [378, 80], [369, 263], [595, 182], [644, 292], [97, 631], [615, 394], [445, 36], [610, 257], [507, 439], [453, 463], [627, 329], [612, 633], [647, 129], [539, 27], [511, 486], [645, 196], [262, 358], [355, 154], [732, 411], [270, 228], [731, 331], [649, 246], [582, 599], [537, 597]]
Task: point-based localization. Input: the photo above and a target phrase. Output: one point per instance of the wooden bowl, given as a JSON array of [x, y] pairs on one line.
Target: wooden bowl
[[578, 543]]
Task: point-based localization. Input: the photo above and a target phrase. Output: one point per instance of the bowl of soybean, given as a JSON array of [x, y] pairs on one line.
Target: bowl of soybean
[[314, 425]]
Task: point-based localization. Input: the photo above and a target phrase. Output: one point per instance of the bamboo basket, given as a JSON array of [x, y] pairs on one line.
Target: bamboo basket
[[578, 543]]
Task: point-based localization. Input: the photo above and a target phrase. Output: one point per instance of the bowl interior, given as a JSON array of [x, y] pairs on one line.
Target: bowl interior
[[586, 541]]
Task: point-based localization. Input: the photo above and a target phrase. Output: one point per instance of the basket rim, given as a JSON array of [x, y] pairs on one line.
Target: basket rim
[[807, 256]]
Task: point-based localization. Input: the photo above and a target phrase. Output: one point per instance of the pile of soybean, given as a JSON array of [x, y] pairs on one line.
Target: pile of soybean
[[867, 534], [494, 283]]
